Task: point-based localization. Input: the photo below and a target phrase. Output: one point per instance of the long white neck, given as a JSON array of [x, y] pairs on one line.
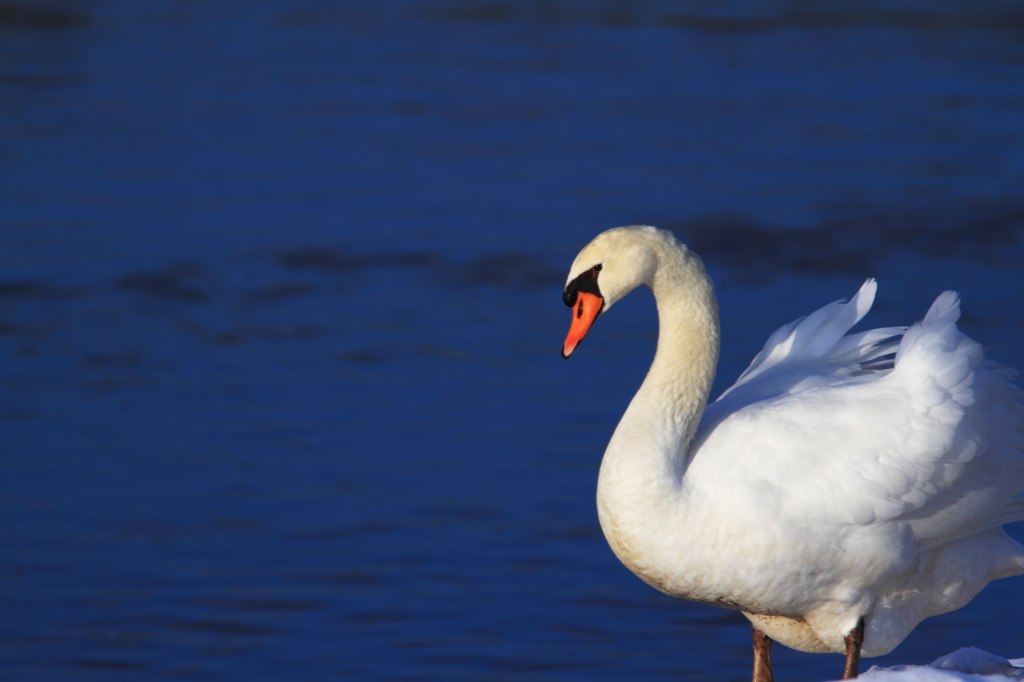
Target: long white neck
[[640, 487]]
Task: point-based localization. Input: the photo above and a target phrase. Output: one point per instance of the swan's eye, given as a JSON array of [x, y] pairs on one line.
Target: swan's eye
[[586, 282]]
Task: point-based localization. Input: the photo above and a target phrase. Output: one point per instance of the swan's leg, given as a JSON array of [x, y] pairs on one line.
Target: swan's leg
[[762, 656], [854, 639]]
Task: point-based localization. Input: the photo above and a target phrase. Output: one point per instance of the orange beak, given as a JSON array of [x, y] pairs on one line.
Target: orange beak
[[586, 310]]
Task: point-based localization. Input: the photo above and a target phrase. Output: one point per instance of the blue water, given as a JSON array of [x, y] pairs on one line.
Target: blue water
[[280, 309]]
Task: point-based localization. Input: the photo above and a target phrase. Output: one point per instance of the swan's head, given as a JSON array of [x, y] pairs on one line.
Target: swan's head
[[608, 268]]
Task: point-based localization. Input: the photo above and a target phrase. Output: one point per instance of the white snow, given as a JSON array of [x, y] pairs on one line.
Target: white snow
[[968, 663]]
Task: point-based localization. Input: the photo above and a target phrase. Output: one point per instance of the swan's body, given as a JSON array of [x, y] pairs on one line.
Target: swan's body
[[830, 485]]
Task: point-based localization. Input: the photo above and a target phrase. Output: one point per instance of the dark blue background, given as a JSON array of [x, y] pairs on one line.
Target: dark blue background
[[280, 392]]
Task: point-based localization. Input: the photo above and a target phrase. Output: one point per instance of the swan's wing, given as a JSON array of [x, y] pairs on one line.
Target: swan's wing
[[936, 443], [815, 351]]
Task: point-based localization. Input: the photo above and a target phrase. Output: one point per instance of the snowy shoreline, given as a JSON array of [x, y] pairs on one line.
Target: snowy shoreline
[[968, 663]]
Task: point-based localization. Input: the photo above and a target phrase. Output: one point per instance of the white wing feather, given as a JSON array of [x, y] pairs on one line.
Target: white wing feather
[[933, 444], [814, 351]]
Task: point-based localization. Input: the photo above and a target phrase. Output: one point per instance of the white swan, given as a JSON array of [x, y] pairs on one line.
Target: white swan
[[846, 487]]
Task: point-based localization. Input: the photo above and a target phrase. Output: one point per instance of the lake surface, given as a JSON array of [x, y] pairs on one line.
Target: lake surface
[[280, 309]]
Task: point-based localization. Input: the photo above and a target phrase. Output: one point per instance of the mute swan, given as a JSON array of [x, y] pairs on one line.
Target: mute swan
[[846, 487]]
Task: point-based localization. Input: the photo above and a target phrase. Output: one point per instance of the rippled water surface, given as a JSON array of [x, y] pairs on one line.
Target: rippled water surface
[[280, 309]]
